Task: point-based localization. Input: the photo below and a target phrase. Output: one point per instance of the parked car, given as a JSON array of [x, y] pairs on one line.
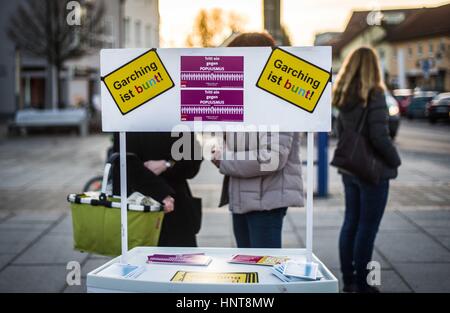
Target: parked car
[[394, 114], [403, 97], [439, 108], [418, 106]]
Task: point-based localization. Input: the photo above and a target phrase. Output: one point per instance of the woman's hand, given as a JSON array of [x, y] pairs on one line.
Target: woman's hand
[[168, 204], [216, 163], [216, 155], [157, 167]]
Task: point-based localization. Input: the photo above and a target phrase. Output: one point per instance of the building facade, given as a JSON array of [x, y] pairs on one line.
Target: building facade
[[23, 78], [412, 44], [421, 48]]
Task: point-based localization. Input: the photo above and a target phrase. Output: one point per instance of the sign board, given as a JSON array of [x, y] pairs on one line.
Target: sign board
[[293, 79], [232, 89], [138, 81]]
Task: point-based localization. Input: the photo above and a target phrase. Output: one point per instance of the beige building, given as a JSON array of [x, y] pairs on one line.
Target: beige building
[[413, 45], [421, 50]]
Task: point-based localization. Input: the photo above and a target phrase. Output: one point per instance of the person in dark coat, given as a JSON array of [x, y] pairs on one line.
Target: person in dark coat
[[358, 86], [152, 171]]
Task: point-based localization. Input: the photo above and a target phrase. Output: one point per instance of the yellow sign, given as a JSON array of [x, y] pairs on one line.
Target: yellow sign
[[138, 81], [214, 277], [293, 79]]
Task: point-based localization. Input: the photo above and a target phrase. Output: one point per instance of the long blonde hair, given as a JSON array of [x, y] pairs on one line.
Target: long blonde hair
[[359, 75]]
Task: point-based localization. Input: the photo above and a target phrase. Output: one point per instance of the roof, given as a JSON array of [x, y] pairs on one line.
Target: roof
[[358, 24], [427, 22]]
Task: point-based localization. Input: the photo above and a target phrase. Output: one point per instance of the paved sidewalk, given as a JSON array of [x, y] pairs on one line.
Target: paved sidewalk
[[413, 245]]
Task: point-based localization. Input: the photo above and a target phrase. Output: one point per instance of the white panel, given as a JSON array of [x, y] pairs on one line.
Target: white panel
[[260, 107]]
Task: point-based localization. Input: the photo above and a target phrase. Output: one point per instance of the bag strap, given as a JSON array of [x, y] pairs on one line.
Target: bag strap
[[363, 117], [362, 120], [113, 159]]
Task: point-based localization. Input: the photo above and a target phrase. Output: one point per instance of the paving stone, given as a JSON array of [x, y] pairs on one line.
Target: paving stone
[[5, 259], [445, 240], [77, 288], [92, 264], [291, 240], [434, 218], [98, 256], [3, 214], [393, 221], [14, 241], [52, 249], [411, 247], [50, 278], [326, 248], [431, 277], [64, 226], [321, 218], [35, 218], [216, 241], [11, 226], [438, 231], [390, 281]]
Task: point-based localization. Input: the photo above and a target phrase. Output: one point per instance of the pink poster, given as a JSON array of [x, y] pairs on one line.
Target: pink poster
[[212, 88]]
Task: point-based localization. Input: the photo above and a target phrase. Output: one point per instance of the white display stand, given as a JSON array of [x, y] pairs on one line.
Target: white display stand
[[156, 278]]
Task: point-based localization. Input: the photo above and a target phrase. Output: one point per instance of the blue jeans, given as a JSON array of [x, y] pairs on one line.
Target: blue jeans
[[364, 208], [259, 229]]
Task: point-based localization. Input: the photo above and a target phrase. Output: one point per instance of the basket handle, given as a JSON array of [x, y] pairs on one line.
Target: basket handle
[[105, 177], [107, 171]]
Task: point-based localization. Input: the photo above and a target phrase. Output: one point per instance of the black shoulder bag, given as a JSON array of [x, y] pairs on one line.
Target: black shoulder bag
[[354, 153]]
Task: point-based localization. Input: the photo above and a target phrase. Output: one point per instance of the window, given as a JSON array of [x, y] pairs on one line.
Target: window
[[127, 29], [381, 53], [410, 52], [108, 36], [442, 45], [137, 34], [148, 36], [419, 50], [430, 49]]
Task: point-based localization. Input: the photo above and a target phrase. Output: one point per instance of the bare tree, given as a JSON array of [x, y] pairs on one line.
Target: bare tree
[[286, 38], [213, 26], [42, 28]]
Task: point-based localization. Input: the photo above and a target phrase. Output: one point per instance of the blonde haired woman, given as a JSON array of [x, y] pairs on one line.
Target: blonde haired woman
[[359, 87]]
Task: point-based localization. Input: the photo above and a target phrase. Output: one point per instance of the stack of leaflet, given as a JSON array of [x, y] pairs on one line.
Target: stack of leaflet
[[119, 270], [292, 271], [216, 277], [258, 259], [181, 259]]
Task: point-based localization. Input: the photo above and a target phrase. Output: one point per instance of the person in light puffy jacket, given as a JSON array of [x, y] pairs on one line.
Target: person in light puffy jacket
[[262, 175]]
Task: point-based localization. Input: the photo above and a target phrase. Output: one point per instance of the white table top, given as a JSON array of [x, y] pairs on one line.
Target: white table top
[[156, 277]]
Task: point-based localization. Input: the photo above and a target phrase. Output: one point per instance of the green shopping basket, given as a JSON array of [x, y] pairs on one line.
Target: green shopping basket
[[97, 225]]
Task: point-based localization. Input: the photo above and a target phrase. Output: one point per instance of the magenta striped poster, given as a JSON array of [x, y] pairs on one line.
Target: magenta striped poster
[[212, 88]]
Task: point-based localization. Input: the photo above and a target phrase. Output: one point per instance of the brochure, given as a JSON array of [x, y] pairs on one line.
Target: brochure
[[304, 270], [258, 260], [278, 271], [216, 277], [117, 270], [184, 259]]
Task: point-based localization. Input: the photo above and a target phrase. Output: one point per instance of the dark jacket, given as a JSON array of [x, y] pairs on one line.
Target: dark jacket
[[376, 129], [181, 225]]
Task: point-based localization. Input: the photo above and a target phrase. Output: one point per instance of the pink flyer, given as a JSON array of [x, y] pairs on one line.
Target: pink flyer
[[212, 88]]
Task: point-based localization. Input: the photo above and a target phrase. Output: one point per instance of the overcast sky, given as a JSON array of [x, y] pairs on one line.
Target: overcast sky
[[303, 18]]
